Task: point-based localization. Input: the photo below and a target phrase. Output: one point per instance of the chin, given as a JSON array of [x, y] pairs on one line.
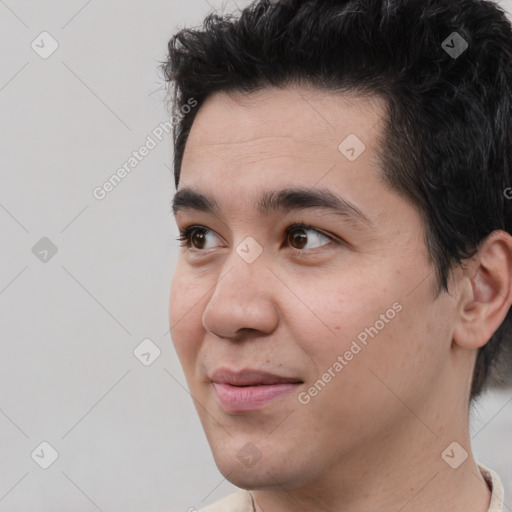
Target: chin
[[249, 480], [260, 474]]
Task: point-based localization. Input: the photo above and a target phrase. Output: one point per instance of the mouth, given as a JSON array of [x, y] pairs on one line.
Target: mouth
[[249, 390]]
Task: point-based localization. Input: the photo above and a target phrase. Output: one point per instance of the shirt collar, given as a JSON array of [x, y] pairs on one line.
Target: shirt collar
[[494, 482]]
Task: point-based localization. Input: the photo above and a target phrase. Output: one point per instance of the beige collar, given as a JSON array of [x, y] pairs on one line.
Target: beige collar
[[494, 482]]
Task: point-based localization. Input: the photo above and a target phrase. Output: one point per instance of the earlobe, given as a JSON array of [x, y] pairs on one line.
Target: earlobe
[[485, 292]]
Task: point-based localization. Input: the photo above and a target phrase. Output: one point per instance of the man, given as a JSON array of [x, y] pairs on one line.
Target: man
[[345, 278]]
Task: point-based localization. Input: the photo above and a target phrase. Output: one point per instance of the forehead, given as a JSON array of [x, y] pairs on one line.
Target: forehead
[[275, 118], [275, 139]]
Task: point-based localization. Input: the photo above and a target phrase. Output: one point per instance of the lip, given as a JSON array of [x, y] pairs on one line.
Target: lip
[[250, 389], [249, 377]]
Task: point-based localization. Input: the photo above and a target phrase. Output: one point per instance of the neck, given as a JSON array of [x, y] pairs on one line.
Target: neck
[[419, 489]]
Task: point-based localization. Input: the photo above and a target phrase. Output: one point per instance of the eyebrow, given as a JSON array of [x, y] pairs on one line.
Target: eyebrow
[[285, 200]]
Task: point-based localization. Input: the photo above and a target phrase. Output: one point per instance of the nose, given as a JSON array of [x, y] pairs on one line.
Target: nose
[[243, 300]]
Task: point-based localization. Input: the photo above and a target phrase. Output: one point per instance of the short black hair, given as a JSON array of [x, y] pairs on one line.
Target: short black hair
[[444, 69]]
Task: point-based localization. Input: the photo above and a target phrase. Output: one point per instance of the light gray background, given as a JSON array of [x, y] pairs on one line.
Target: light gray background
[[127, 435]]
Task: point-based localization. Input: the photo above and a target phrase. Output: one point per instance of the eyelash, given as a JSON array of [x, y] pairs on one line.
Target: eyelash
[[186, 235]]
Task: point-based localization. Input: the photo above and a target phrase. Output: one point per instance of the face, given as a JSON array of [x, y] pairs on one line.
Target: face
[[303, 305]]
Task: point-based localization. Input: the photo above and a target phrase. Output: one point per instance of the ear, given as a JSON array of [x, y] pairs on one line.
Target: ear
[[485, 292]]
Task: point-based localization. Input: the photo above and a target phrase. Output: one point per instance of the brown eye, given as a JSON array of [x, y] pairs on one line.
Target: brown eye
[[198, 238], [299, 237]]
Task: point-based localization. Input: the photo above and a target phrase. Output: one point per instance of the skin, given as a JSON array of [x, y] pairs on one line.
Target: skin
[[372, 439]]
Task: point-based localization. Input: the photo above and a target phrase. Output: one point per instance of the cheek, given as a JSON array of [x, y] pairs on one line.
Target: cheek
[[336, 311], [366, 336], [406, 355], [185, 315], [382, 333]]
